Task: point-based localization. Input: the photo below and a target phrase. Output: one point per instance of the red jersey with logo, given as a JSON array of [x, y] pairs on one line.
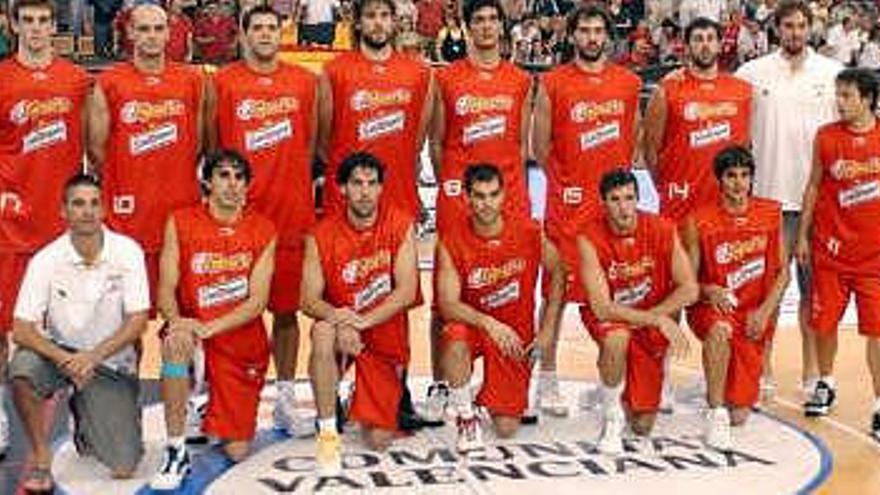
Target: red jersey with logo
[[847, 214], [483, 111], [498, 274], [268, 118], [215, 264], [740, 252], [377, 107], [703, 117], [638, 265], [358, 268], [40, 148], [592, 132], [150, 167]]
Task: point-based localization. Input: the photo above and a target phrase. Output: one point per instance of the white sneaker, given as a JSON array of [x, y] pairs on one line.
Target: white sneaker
[[174, 469], [290, 419], [4, 429], [590, 398], [667, 398], [643, 445], [767, 387], [434, 413], [470, 434], [195, 414], [550, 400], [718, 434], [611, 441], [328, 457], [808, 387]]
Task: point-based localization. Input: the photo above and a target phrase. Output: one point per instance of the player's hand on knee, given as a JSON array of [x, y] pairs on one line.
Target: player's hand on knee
[[802, 251], [721, 298], [678, 342], [348, 340], [757, 323], [344, 317], [506, 339]]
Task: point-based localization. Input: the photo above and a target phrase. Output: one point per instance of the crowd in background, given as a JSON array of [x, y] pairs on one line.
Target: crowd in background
[[648, 32]]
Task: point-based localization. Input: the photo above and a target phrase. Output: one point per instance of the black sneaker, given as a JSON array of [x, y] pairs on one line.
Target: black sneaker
[[875, 426], [407, 417], [174, 469], [821, 402]]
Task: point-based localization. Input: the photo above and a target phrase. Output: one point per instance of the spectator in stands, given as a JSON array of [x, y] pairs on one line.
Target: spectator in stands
[[670, 45], [406, 16], [5, 32], [214, 33], [752, 42], [451, 41], [180, 33], [318, 22], [843, 41], [869, 56], [429, 20], [711, 9], [104, 13]]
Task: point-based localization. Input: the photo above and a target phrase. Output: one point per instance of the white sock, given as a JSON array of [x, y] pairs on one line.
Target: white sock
[[611, 396], [546, 376], [177, 442], [461, 400], [829, 380], [286, 388], [877, 405], [327, 425]]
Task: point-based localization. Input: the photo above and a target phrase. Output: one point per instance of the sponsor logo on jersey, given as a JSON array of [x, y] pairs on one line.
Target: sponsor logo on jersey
[[33, 110], [484, 129], [750, 270], [208, 263], [704, 110], [382, 125], [633, 295], [373, 292], [585, 111], [854, 169], [710, 135], [470, 104], [626, 270], [250, 109], [358, 269], [736, 251], [505, 295], [45, 136], [370, 99], [144, 112], [602, 134], [268, 136], [858, 194], [159, 137], [485, 276], [224, 292]]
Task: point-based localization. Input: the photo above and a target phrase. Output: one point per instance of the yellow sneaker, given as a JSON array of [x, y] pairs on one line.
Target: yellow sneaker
[[329, 454]]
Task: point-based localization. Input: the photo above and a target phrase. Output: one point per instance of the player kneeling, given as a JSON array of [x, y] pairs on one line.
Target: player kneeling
[[487, 269], [735, 247]]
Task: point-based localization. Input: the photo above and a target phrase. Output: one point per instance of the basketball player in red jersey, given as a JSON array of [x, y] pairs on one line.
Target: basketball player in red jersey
[[42, 100], [267, 110], [359, 280], [637, 277], [692, 115], [586, 123], [378, 101], [216, 271], [486, 275], [145, 135], [736, 249], [838, 232], [482, 113]]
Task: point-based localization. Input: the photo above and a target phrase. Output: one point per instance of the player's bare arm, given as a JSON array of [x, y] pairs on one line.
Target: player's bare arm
[[437, 132], [325, 117], [653, 129], [808, 208], [99, 129], [552, 264], [542, 129]]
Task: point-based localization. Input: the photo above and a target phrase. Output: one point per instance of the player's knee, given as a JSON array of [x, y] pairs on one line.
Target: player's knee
[[377, 439], [614, 345], [739, 415], [718, 337], [323, 340], [506, 426], [236, 451]]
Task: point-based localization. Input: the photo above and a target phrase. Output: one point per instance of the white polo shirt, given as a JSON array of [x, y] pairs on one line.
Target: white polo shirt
[[787, 110], [80, 306]]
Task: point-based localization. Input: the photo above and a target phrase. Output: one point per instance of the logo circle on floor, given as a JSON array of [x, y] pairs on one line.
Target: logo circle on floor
[[770, 456]]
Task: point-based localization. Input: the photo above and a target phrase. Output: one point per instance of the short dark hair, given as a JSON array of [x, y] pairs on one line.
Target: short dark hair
[[472, 6], [616, 178], [79, 179], [864, 80], [259, 9], [701, 23], [590, 11], [215, 160], [17, 5], [789, 7], [359, 5], [734, 156], [481, 172], [361, 159]]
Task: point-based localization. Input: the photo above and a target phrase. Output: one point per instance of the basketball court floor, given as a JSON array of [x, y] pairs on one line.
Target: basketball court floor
[[777, 452]]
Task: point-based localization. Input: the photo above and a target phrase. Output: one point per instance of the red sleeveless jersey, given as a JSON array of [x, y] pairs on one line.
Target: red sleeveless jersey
[[268, 119], [358, 268], [740, 252], [637, 266], [150, 167], [703, 117], [592, 132], [483, 110], [847, 214], [215, 264], [498, 274], [377, 107], [40, 148]]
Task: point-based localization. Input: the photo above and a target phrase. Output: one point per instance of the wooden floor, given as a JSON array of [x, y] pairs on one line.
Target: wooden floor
[[856, 458]]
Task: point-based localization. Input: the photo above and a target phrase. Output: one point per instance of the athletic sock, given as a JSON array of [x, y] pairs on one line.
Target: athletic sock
[[177, 442], [877, 405], [461, 400], [828, 380], [327, 424], [611, 396]]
